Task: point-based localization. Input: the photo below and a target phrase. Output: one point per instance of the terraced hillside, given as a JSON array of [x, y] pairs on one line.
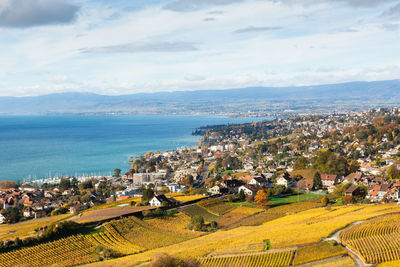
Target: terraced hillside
[[297, 229], [377, 240]]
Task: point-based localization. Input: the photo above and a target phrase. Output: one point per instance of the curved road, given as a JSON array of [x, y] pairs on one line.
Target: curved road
[[359, 261]]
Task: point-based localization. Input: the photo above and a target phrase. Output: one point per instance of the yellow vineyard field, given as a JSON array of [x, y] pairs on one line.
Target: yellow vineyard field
[[27, 228], [287, 231], [317, 251], [175, 224], [64, 252], [377, 240], [256, 259], [152, 234], [188, 198], [73, 250]]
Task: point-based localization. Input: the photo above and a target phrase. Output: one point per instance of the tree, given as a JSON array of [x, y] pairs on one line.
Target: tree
[[86, 185], [393, 172], [340, 189], [317, 183], [300, 164], [270, 192], [325, 200], [197, 222], [165, 260], [354, 166], [86, 198], [242, 196], [148, 194], [65, 184], [63, 228], [329, 162], [12, 214], [210, 182], [117, 172], [261, 197], [188, 180]]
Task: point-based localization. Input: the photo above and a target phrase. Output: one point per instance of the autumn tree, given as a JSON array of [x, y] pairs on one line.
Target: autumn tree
[[329, 162], [210, 182], [325, 200], [393, 172], [188, 180], [301, 163], [261, 197]]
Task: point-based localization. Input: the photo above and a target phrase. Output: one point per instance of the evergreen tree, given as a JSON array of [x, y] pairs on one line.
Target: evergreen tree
[[242, 195], [317, 181]]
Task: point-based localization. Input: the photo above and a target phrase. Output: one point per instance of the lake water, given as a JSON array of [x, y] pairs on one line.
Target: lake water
[[43, 146]]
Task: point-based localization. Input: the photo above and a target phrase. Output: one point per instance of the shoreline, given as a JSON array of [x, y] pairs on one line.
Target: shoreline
[[161, 141]]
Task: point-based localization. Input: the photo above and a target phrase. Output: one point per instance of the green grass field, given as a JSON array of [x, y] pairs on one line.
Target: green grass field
[[197, 210], [244, 204], [292, 198]]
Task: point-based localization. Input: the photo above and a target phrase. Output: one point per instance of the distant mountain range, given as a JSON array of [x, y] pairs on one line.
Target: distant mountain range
[[352, 96]]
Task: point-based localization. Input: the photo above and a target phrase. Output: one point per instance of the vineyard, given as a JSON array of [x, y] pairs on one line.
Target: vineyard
[[188, 198], [294, 229], [277, 258], [155, 233], [73, 250], [194, 210], [113, 240], [235, 216], [239, 249], [68, 251], [377, 240], [317, 251], [175, 224], [215, 206], [27, 228], [278, 212]]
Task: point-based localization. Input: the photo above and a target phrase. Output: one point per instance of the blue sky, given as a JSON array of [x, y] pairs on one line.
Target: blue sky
[[129, 46]]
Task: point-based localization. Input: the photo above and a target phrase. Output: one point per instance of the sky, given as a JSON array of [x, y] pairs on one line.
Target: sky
[[129, 46]]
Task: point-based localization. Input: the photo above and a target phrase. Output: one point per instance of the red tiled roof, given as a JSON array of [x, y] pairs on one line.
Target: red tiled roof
[[328, 177]]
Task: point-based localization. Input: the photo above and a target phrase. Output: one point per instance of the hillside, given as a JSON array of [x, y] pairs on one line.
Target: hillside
[[284, 233], [330, 96]]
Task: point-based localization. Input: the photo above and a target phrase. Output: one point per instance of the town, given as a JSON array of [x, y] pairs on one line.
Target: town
[[351, 158]]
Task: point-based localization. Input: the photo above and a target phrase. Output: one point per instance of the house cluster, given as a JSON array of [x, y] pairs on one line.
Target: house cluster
[[160, 186], [37, 202], [249, 184], [388, 191]]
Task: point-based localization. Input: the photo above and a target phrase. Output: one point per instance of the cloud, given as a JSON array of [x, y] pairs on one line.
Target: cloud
[[216, 12], [391, 27], [59, 78], [194, 78], [354, 3], [209, 19], [393, 12], [256, 29], [367, 3], [344, 30], [142, 47], [28, 13], [192, 5]]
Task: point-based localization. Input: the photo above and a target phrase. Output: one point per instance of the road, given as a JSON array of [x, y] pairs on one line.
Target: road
[[359, 261]]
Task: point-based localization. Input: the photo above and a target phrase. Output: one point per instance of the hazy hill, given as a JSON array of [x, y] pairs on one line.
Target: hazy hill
[[207, 101]]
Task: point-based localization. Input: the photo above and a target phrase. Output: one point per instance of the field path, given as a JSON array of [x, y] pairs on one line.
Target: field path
[[359, 261]]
